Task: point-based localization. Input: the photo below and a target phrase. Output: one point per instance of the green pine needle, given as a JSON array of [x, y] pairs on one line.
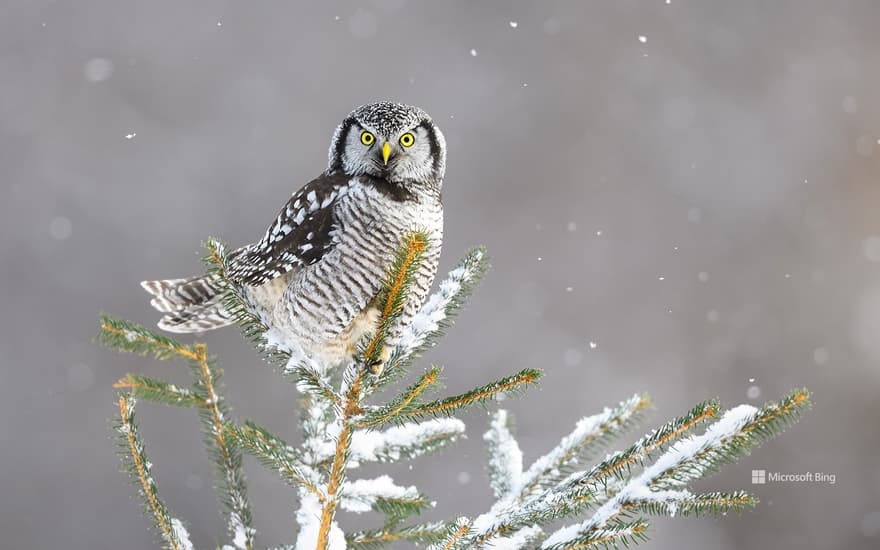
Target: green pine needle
[[620, 465], [613, 536], [415, 410], [422, 534], [160, 391], [274, 453], [398, 509], [133, 338], [308, 380], [403, 402]]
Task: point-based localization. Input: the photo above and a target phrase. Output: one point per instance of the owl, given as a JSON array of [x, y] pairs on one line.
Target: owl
[[314, 276]]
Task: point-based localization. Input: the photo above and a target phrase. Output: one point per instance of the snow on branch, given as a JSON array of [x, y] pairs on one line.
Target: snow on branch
[[382, 495], [517, 539], [505, 457], [407, 441], [646, 489], [660, 488], [436, 314], [590, 435]]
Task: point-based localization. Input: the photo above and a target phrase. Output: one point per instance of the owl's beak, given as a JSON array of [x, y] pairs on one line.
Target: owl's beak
[[386, 153]]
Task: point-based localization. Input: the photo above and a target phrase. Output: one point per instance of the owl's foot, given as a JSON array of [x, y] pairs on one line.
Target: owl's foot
[[378, 365]]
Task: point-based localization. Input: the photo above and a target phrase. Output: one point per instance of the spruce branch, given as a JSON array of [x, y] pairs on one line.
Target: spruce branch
[[421, 534], [394, 294], [274, 453], [620, 464], [159, 391], [226, 459], [505, 462], [350, 408], [384, 496], [438, 312], [509, 385], [391, 301], [518, 539], [134, 457], [133, 338], [393, 409], [130, 337], [592, 434], [407, 441], [455, 536], [713, 503], [309, 380], [670, 459], [768, 422], [613, 536], [661, 486]]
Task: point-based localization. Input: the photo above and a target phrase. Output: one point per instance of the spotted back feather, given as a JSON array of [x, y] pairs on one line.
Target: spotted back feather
[[300, 235]]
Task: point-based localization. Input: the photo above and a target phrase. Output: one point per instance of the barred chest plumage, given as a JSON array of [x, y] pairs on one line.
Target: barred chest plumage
[[326, 308]]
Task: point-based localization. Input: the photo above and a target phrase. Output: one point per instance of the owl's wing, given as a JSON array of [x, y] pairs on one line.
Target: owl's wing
[[300, 235]]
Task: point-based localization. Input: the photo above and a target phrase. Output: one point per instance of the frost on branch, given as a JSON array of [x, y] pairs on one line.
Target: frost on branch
[[347, 420], [610, 494]]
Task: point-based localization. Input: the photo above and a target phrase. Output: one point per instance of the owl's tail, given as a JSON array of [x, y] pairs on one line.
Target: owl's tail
[[190, 305]]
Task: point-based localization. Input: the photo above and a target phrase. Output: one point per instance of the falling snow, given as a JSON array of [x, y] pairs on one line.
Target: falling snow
[[98, 69], [60, 228]]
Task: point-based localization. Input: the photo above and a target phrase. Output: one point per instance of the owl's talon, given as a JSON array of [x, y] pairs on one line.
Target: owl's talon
[[376, 367]]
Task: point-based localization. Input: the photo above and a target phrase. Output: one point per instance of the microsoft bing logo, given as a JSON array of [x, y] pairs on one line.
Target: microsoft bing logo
[[762, 477]]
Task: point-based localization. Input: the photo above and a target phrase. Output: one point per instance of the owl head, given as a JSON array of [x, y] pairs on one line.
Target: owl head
[[396, 142]]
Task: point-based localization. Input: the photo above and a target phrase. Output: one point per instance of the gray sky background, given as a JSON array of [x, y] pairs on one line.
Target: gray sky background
[[701, 204]]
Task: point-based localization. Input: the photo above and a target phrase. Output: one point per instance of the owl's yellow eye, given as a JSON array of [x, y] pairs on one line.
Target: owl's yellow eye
[[367, 138], [407, 139]]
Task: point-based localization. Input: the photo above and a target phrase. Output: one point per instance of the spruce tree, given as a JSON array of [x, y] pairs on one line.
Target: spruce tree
[[349, 419]]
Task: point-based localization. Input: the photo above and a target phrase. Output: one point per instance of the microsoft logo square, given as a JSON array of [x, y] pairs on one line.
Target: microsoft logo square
[[759, 477]]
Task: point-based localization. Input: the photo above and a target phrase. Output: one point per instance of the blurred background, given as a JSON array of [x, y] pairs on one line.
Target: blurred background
[[680, 197]]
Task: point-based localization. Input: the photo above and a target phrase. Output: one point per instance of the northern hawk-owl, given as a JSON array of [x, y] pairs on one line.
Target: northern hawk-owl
[[318, 269]]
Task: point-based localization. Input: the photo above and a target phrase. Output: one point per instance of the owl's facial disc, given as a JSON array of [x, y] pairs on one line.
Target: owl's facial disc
[[392, 141]]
